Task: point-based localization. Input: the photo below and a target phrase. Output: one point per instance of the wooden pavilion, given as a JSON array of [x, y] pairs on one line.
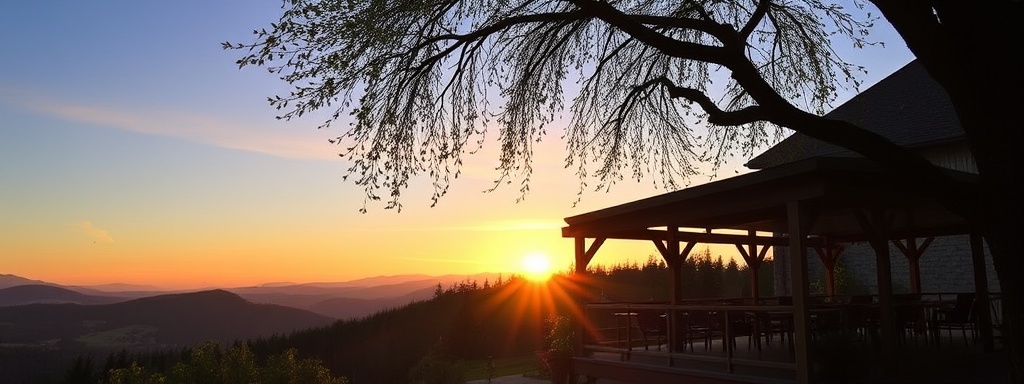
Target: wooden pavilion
[[816, 203]]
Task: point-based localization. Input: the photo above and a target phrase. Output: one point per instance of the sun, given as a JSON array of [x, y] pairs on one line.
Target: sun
[[537, 267]]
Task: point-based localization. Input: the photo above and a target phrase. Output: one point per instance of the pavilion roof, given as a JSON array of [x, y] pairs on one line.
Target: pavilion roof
[[837, 190], [908, 107]]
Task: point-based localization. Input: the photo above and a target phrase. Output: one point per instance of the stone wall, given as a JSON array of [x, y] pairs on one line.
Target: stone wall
[[946, 266]]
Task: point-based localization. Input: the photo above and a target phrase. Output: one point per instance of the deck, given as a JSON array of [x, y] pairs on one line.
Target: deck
[[620, 346]]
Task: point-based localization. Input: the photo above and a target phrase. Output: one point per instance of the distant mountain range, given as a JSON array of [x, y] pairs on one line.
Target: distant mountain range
[[157, 321], [49, 294], [7, 281], [339, 300]]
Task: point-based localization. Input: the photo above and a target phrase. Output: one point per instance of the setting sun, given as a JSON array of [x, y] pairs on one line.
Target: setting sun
[[537, 267]]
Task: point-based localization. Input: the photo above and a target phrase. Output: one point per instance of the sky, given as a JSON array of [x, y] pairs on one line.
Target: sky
[[133, 150]]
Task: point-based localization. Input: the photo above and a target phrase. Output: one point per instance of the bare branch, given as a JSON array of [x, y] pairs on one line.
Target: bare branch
[[665, 44], [755, 19]]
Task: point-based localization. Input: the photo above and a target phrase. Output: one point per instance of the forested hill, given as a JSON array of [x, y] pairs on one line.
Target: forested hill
[[465, 321]]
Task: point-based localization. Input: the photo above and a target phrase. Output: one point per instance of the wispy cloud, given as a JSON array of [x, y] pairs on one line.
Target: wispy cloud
[[505, 225], [205, 129], [97, 234], [445, 261]]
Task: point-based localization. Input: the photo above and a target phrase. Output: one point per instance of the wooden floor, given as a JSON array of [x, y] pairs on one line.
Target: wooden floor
[[847, 360]]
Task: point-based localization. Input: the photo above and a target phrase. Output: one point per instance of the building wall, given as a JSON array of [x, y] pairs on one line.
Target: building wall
[[955, 156], [946, 266]]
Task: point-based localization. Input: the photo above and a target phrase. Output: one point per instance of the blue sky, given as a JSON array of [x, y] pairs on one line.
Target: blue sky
[[133, 149]]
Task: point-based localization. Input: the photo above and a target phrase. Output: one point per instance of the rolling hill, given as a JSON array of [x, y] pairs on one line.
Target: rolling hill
[[7, 281], [158, 321], [49, 294]]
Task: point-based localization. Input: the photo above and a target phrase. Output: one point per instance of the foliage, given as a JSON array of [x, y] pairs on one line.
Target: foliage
[[288, 368], [560, 336], [437, 367], [421, 81], [474, 322], [846, 282], [208, 364], [135, 374]]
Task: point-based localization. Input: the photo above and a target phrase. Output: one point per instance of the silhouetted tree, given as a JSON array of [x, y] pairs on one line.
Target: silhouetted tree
[[420, 74], [82, 371], [732, 280]]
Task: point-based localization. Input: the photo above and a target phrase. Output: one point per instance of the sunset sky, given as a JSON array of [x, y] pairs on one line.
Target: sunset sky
[[133, 150]]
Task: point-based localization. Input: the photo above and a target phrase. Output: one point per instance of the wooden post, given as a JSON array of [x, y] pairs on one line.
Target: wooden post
[[581, 252], [801, 298], [877, 228], [753, 258], [754, 267], [913, 262], [981, 291], [674, 258], [583, 256], [580, 270], [677, 340]]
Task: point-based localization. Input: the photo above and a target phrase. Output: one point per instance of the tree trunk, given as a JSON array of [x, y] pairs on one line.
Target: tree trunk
[[972, 49]]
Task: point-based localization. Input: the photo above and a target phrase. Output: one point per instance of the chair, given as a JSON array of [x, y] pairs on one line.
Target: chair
[[780, 323], [911, 318], [652, 324], [862, 318], [962, 315], [699, 324], [743, 324]]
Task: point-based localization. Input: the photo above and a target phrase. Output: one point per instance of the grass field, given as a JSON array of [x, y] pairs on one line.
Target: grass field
[[478, 369], [120, 337]]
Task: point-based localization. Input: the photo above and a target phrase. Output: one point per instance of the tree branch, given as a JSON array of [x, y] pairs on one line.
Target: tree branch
[[715, 114], [665, 44], [755, 19]]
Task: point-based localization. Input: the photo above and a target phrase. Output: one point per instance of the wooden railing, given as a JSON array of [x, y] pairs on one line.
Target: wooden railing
[[619, 328], [705, 330]]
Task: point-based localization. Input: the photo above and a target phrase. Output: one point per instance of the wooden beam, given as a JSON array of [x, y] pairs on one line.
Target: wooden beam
[[913, 253], [829, 253], [662, 235], [743, 253], [763, 253]]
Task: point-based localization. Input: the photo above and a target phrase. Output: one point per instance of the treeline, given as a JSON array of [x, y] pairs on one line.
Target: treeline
[[702, 276], [208, 363]]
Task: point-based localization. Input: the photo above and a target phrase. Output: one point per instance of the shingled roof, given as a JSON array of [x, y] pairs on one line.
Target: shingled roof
[[908, 107]]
